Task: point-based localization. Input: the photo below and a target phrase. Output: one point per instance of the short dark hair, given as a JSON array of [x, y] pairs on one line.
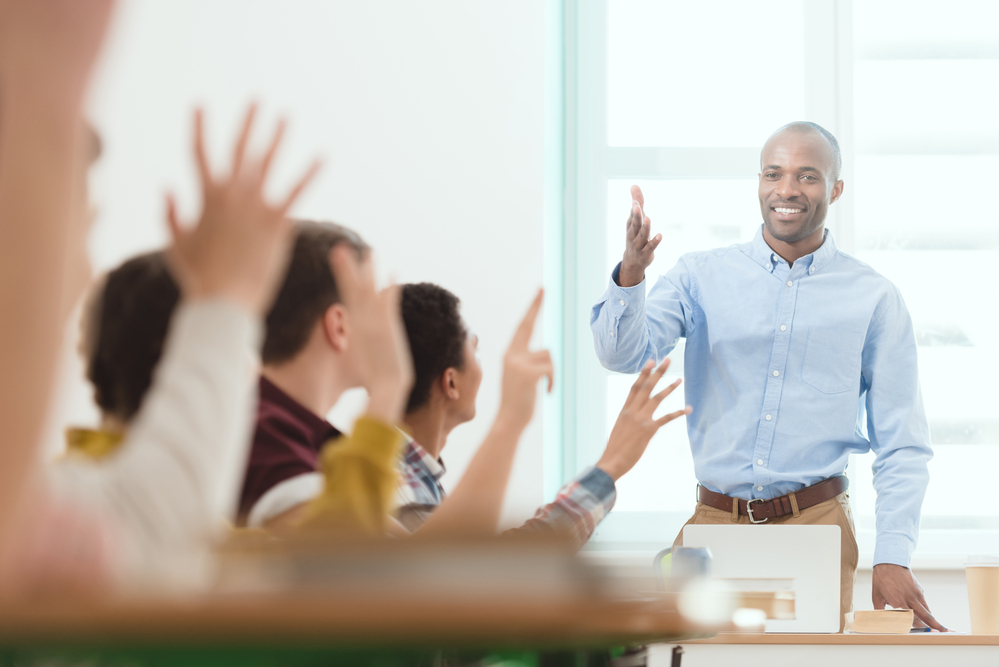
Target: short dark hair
[[308, 289], [808, 126], [125, 326], [126, 323], [436, 334]]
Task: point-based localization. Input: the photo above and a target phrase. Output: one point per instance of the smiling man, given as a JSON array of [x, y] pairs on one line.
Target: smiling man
[[797, 356]]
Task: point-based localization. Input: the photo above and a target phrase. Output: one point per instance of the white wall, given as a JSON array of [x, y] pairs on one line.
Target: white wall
[[428, 115]]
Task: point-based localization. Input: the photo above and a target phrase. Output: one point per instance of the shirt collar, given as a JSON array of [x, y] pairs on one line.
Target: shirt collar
[[414, 454], [763, 254], [320, 431]]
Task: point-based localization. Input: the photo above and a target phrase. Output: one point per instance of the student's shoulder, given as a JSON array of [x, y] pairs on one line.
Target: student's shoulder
[[714, 257]]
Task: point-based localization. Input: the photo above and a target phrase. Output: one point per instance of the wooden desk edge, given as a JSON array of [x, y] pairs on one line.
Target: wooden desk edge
[[837, 639]]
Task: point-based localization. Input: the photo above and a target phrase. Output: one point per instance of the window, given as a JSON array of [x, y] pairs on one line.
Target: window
[[678, 97]]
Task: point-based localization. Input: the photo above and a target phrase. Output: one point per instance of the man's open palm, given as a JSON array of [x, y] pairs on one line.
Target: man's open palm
[[639, 249]]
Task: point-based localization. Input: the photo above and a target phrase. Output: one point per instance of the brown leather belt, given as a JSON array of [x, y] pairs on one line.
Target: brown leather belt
[[760, 511]]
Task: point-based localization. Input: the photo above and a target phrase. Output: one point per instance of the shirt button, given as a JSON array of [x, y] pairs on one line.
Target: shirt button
[[783, 328], [774, 257], [611, 334], [776, 373], [621, 302], [789, 283], [759, 462], [759, 488], [769, 417], [811, 270]]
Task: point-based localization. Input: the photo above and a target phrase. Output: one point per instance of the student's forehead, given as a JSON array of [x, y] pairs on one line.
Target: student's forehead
[[794, 150]]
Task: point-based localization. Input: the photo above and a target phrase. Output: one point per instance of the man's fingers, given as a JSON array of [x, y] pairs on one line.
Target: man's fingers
[[636, 195], [654, 243], [244, 138], [665, 419], [204, 171], [526, 327], [300, 186], [924, 615], [265, 164]]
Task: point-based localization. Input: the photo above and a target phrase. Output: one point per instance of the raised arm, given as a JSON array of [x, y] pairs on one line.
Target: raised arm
[[178, 473], [628, 329], [475, 504], [584, 502]]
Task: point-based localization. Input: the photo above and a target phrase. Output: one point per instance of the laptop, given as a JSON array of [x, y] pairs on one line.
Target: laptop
[[805, 559]]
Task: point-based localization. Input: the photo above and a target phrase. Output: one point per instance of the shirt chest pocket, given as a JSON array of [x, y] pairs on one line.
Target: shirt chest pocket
[[832, 359]]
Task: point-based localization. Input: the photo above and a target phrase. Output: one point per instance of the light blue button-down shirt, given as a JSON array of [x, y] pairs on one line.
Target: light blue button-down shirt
[[789, 370]]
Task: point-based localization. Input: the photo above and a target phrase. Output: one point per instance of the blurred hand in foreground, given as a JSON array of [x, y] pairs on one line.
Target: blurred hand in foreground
[[239, 248], [376, 332]]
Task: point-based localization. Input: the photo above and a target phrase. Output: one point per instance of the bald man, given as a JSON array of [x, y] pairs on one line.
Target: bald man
[[793, 347]]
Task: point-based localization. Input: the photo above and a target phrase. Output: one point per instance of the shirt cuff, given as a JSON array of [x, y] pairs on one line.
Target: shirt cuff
[[893, 549], [621, 299], [600, 484]]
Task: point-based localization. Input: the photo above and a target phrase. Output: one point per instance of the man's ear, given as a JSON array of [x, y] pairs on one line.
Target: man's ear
[[449, 384], [837, 191], [335, 327]]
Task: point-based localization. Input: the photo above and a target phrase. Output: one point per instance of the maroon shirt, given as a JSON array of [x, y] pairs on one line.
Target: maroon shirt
[[286, 444]]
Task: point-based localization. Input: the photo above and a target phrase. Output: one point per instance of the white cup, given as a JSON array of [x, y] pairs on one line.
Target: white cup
[[982, 574]]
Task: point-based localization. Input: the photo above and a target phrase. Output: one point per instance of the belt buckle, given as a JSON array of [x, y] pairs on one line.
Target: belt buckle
[[749, 510]]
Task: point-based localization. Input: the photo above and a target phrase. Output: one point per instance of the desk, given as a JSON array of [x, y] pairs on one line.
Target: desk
[[837, 650], [288, 629]]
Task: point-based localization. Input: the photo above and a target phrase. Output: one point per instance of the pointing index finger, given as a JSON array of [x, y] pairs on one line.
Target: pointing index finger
[[526, 327]]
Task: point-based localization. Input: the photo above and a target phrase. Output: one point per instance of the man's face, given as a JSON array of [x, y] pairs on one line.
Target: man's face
[[796, 186]]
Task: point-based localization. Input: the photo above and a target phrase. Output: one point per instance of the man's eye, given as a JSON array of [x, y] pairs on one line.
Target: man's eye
[[809, 177], [770, 175]]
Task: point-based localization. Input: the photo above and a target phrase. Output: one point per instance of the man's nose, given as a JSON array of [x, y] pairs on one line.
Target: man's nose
[[788, 187]]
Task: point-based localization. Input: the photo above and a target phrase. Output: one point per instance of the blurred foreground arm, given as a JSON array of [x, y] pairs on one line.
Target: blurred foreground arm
[[47, 50], [179, 470]]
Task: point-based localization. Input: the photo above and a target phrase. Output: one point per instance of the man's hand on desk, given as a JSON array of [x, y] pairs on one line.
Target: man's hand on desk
[[896, 586], [639, 250]]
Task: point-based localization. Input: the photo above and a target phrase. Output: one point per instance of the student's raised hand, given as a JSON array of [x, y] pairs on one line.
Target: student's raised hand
[[49, 46], [238, 250], [635, 425], [376, 332], [522, 368], [639, 249]]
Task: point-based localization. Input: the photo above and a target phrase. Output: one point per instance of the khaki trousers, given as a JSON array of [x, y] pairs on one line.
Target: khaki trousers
[[835, 512]]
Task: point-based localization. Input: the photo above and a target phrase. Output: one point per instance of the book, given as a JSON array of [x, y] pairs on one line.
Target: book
[[882, 621]]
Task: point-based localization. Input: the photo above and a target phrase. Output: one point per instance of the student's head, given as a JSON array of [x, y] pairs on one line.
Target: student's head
[[307, 314], [447, 369], [799, 179], [125, 325], [127, 318]]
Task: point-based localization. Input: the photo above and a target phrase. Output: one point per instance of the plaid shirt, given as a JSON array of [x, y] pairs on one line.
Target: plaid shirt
[[579, 507]]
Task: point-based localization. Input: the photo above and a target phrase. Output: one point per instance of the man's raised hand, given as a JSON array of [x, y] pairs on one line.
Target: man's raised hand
[[377, 332], [639, 249], [522, 368], [239, 248], [635, 425]]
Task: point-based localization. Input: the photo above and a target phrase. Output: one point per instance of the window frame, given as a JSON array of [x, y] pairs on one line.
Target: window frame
[[589, 163]]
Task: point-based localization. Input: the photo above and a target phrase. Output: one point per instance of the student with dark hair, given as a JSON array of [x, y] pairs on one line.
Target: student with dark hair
[[448, 376], [125, 325]]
